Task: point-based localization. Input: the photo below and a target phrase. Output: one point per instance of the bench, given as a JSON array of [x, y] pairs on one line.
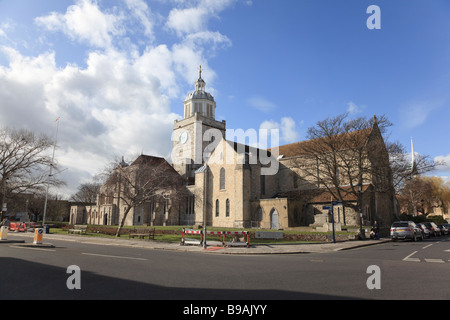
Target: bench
[[81, 229], [142, 233]]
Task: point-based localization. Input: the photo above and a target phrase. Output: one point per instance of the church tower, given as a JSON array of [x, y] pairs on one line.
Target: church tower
[[196, 131]]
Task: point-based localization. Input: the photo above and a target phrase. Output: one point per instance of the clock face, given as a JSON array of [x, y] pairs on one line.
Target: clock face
[[184, 137]]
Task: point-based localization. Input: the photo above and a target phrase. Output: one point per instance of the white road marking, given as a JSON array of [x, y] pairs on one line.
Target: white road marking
[[427, 246], [435, 260], [117, 257], [408, 258]]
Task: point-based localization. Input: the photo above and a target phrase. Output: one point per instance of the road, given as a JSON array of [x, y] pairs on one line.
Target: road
[[408, 270]]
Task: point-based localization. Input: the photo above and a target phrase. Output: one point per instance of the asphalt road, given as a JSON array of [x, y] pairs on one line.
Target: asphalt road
[[407, 270]]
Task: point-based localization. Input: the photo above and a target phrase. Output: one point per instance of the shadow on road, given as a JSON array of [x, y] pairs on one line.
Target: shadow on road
[[25, 280]]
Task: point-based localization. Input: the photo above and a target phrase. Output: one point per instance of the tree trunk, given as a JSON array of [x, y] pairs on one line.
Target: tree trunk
[[122, 222]]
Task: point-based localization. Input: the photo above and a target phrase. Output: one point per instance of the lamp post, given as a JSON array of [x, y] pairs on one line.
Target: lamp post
[[4, 207], [49, 176], [205, 246], [361, 233]]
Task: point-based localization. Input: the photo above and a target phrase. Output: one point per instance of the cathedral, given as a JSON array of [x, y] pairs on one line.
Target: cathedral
[[233, 185]]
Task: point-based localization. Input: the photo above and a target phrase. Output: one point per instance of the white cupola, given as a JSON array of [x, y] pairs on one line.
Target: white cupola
[[199, 101]]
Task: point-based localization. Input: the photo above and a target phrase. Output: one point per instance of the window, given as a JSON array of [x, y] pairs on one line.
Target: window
[[217, 207], [190, 205], [209, 110], [228, 208], [222, 179]]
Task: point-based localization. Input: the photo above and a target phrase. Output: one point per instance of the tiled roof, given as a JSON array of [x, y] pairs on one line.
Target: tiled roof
[[305, 147], [321, 195]]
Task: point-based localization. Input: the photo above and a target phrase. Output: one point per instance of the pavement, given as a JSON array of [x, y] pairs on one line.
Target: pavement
[[26, 239]]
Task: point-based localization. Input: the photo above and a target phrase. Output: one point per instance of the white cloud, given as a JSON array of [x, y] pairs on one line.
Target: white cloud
[[415, 113], [189, 20], [216, 39], [445, 167], [85, 22], [287, 129], [195, 18], [112, 107], [118, 102], [4, 26], [269, 125], [289, 132], [261, 104], [143, 13], [354, 109]]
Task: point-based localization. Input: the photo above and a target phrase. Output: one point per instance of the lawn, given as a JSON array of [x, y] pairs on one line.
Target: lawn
[[173, 234]]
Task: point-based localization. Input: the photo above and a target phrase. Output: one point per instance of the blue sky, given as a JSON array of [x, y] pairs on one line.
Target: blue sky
[[117, 72]]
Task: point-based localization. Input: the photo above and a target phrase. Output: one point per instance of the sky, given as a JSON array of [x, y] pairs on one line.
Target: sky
[[116, 73]]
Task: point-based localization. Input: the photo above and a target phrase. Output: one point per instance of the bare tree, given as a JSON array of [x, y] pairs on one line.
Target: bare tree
[[146, 179], [424, 194], [404, 168], [87, 192], [343, 155], [25, 162]]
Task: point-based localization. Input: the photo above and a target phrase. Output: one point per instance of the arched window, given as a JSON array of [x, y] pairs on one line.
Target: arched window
[[228, 208], [217, 207], [222, 179]]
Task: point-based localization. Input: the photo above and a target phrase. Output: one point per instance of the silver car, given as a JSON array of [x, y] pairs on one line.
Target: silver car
[[401, 230]]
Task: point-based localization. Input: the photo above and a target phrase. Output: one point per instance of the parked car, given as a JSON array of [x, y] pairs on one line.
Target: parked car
[[445, 228], [425, 231], [401, 230], [434, 229]]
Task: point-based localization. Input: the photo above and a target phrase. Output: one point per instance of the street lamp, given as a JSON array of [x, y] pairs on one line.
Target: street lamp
[[49, 176], [361, 233], [4, 207]]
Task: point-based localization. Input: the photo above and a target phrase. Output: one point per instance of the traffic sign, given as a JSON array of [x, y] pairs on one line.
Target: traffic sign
[[326, 208]]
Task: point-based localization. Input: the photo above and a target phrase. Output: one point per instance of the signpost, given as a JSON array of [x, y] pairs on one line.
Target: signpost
[[333, 203], [38, 235]]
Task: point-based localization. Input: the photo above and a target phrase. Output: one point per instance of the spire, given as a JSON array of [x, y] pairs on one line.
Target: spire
[[122, 163], [200, 83]]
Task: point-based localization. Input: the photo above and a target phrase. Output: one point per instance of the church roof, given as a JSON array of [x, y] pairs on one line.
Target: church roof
[[199, 95], [148, 160], [156, 162], [322, 195], [304, 147], [239, 147], [145, 162]]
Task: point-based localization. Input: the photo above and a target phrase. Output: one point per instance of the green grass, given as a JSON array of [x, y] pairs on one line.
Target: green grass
[[176, 238]]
